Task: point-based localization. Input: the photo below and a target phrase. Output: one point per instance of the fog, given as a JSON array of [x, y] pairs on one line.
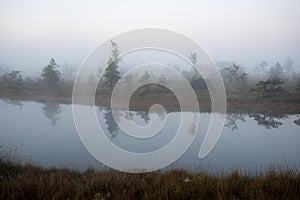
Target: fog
[[245, 32]]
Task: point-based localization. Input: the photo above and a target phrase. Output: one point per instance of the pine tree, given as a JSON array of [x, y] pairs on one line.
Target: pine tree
[[112, 74], [50, 74]]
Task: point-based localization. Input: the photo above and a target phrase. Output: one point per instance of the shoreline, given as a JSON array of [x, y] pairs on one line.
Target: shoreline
[[171, 105]]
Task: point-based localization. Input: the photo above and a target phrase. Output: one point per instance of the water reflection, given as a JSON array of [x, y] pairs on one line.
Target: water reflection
[[112, 126], [162, 114], [14, 103], [193, 127], [297, 122], [232, 118], [51, 111], [267, 120], [144, 115], [129, 115], [60, 145]]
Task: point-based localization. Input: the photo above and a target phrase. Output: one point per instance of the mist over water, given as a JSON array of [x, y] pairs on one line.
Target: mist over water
[[48, 137], [149, 99]]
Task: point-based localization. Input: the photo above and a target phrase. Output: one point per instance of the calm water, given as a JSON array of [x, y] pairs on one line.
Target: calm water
[[45, 134]]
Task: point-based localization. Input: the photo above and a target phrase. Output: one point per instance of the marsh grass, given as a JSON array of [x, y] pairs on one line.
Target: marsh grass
[[26, 181], [22, 180], [242, 100]]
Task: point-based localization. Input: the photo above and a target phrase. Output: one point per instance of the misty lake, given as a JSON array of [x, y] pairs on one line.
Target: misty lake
[[45, 134]]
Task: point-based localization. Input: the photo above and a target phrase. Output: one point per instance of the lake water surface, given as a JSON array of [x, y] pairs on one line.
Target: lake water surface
[[45, 134]]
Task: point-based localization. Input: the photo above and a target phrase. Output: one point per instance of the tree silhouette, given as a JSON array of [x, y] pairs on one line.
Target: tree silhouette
[[289, 68], [197, 82], [236, 75], [12, 79], [269, 87], [128, 79], [146, 77], [50, 74], [112, 74], [261, 69], [276, 71]]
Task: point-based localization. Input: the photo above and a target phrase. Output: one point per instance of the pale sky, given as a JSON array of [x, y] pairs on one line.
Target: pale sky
[[246, 32]]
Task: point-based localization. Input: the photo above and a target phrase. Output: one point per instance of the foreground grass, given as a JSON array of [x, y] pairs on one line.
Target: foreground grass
[[31, 182]]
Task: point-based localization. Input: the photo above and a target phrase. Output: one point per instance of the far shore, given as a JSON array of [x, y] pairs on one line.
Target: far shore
[[235, 102]]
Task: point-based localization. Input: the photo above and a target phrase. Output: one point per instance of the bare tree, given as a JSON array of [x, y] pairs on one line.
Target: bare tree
[[196, 81], [129, 79], [289, 68], [276, 71], [262, 69], [236, 75]]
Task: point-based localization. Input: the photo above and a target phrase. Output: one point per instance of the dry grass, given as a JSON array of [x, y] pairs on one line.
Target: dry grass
[[236, 101], [32, 182]]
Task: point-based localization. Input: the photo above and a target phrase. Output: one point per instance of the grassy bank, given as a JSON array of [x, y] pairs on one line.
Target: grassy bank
[[32, 182], [242, 101]]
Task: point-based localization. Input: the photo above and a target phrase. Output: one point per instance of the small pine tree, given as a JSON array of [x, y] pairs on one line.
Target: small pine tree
[[112, 74], [50, 75], [268, 88]]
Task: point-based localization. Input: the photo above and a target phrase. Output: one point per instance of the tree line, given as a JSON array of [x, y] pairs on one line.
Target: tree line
[[268, 81]]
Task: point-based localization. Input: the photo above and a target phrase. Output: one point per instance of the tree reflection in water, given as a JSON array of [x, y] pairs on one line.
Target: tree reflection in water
[[144, 115], [232, 118], [297, 122], [129, 115], [51, 111], [14, 103], [112, 126], [268, 120]]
